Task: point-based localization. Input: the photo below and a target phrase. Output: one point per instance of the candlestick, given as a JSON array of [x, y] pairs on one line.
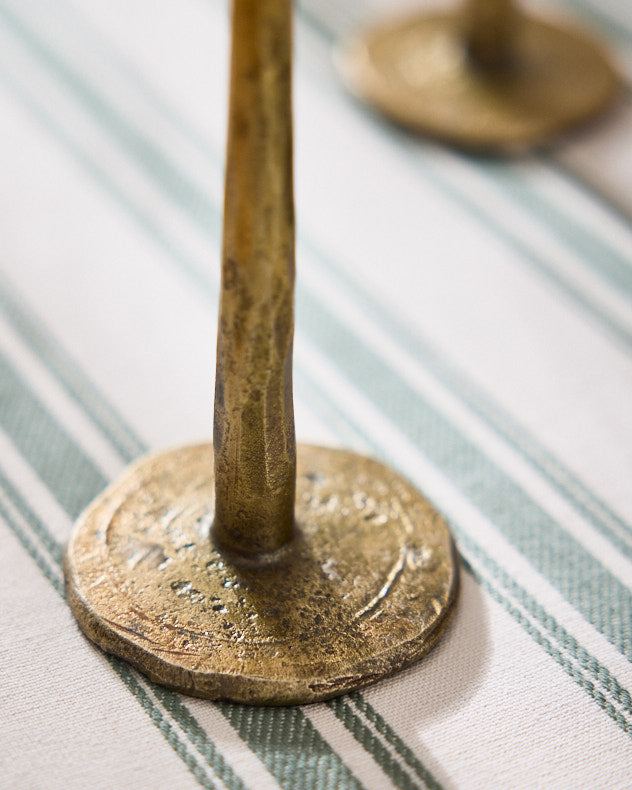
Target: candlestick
[[270, 576], [485, 77]]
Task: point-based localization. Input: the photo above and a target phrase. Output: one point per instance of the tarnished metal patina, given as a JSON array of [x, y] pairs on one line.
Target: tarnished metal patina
[[245, 570], [487, 77], [362, 589]]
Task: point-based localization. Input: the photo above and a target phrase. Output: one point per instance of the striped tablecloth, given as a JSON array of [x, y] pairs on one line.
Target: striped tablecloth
[[469, 321]]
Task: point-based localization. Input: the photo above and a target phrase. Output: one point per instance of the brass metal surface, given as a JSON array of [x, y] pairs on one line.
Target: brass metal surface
[[236, 571], [364, 588], [254, 439], [487, 77]]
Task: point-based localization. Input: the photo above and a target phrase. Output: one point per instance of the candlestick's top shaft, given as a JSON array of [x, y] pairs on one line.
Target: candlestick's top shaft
[[254, 440]]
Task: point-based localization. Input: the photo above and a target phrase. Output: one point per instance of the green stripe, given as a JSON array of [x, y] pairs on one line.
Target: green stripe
[[53, 575], [599, 672], [192, 200], [102, 177], [48, 569], [582, 580], [556, 654], [59, 463], [583, 500], [172, 703], [391, 736], [74, 480], [59, 364], [599, 193], [198, 737], [290, 747], [577, 494], [159, 168], [567, 288], [128, 677], [567, 642], [595, 252], [44, 536], [365, 737], [167, 172], [37, 435], [616, 29], [595, 510]]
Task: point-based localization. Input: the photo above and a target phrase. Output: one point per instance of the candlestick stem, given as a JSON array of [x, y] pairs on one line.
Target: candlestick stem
[[254, 438], [489, 32]]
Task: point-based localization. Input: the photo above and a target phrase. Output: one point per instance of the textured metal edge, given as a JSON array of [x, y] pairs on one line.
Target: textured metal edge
[[252, 689]]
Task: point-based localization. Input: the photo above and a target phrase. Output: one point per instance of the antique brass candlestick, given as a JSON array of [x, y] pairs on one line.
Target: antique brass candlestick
[[262, 577], [486, 77]]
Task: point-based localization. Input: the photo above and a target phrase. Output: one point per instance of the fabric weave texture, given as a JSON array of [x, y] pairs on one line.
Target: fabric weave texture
[[468, 321]]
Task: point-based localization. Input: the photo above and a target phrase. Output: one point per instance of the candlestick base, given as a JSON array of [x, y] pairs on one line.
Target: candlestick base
[[363, 589], [417, 71]]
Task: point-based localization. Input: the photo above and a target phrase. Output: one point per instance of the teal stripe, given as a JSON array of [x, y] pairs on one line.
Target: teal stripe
[[468, 546], [588, 662], [53, 575], [138, 692], [529, 255], [59, 364], [606, 521], [193, 201], [595, 510], [198, 737], [594, 250], [49, 570], [102, 177], [578, 495], [391, 767], [74, 481], [290, 747], [599, 193], [58, 462], [581, 579], [172, 703], [617, 29], [556, 654], [381, 725], [152, 159], [43, 535]]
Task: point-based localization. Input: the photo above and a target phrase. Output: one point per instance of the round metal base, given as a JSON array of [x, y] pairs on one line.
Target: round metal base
[[417, 72], [363, 589]]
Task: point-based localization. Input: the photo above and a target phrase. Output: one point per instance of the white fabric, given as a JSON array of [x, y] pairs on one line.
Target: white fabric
[[480, 340]]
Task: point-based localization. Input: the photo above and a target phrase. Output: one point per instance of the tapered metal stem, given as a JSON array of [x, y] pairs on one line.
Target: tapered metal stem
[[254, 438], [488, 31]]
